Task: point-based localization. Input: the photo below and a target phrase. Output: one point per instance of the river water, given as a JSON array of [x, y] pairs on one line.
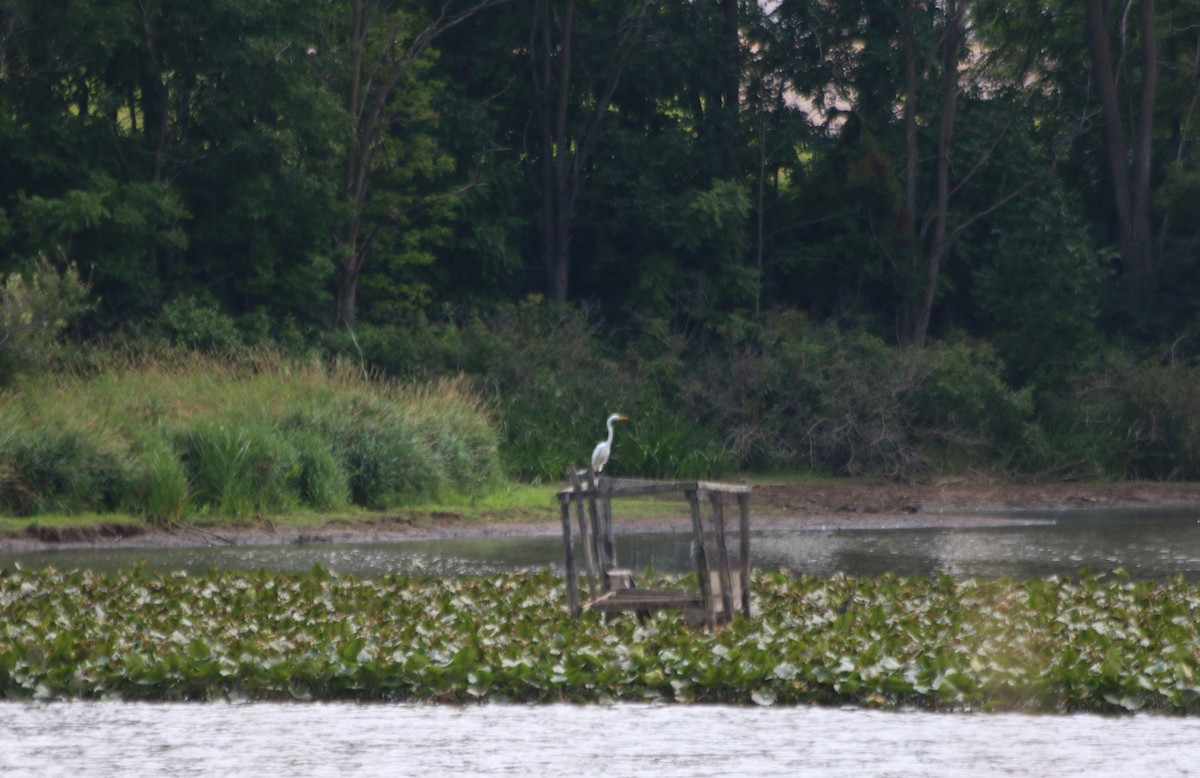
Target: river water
[[325, 739], [1148, 544], [336, 739]]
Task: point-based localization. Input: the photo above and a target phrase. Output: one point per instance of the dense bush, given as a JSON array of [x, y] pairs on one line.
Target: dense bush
[[1132, 417], [780, 392], [185, 436], [53, 465], [554, 376], [787, 393], [35, 308]]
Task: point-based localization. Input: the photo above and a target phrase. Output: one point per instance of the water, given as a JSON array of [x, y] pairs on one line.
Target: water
[[1151, 545], [319, 739], [328, 739]]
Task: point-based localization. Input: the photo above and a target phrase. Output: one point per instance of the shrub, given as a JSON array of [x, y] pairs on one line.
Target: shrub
[[552, 381], [235, 471], [187, 323], [1134, 418], [49, 467], [388, 464], [321, 480], [159, 486], [34, 310], [785, 391]]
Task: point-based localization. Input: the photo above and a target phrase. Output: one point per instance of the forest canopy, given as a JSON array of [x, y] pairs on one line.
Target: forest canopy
[[997, 201]]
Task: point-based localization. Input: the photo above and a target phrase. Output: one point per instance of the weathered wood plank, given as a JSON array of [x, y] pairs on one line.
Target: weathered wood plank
[[608, 539], [723, 590], [569, 561], [701, 556], [634, 487], [642, 599], [744, 549], [585, 541], [722, 556]]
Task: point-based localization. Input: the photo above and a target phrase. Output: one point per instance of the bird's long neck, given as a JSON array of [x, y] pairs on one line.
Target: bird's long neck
[[610, 431]]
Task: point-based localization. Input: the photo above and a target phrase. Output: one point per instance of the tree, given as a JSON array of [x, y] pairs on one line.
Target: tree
[[171, 148], [1129, 163], [900, 180], [570, 114], [380, 64]]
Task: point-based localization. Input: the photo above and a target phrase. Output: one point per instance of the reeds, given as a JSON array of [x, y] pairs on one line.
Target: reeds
[[176, 436]]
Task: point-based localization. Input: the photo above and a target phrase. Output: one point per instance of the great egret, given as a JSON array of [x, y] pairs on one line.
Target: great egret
[[600, 455]]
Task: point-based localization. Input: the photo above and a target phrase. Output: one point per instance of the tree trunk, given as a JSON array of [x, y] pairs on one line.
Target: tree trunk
[[562, 196], [564, 155], [1131, 192], [951, 45], [347, 295], [908, 225], [555, 86], [731, 89], [1143, 241]]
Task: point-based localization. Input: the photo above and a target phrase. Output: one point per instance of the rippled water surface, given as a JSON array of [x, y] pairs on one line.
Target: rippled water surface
[[1146, 543], [331, 739]]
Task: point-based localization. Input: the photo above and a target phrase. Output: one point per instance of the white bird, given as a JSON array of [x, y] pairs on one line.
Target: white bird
[[600, 455]]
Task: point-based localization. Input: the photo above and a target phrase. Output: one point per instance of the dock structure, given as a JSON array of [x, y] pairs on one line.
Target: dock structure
[[724, 584]]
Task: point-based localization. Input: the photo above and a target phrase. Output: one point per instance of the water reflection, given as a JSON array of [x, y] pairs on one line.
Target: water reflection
[[1151, 545]]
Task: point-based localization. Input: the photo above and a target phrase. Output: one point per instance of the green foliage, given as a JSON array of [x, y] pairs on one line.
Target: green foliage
[[111, 224], [846, 402], [1040, 288], [556, 382], [237, 471], [158, 488], [663, 443], [54, 465], [187, 323], [195, 166], [1134, 418], [320, 480], [1052, 645], [35, 309], [387, 462], [186, 437]]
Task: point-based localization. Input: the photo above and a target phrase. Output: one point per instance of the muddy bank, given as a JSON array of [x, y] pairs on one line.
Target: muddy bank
[[830, 505]]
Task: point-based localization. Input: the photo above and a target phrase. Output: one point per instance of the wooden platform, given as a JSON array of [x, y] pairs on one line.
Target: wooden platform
[[724, 588], [642, 600]]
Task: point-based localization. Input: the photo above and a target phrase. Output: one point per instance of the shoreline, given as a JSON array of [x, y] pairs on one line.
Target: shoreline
[[774, 507]]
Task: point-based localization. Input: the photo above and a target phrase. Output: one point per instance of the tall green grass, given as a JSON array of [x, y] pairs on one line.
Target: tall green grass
[[179, 436]]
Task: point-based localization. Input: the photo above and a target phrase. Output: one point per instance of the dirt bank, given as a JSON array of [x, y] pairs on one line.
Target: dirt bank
[[830, 505]]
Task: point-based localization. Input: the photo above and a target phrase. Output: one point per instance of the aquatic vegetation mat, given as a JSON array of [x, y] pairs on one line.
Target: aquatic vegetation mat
[[1098, 644]]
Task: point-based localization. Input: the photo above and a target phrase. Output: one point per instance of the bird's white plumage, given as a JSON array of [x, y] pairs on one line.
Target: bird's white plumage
[[604, 447]]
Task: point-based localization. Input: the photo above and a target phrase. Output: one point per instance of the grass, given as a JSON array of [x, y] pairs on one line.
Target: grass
[[507, 502], [181, 437]]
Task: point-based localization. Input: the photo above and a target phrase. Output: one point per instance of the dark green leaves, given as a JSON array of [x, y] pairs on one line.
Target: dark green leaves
[[1052, 645]]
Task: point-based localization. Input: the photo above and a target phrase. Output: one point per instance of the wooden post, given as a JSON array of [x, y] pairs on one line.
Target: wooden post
[[701, 556], [722, 556], [585, 541], [569, 562], [609, 539], [744, 549], [604, 564]]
